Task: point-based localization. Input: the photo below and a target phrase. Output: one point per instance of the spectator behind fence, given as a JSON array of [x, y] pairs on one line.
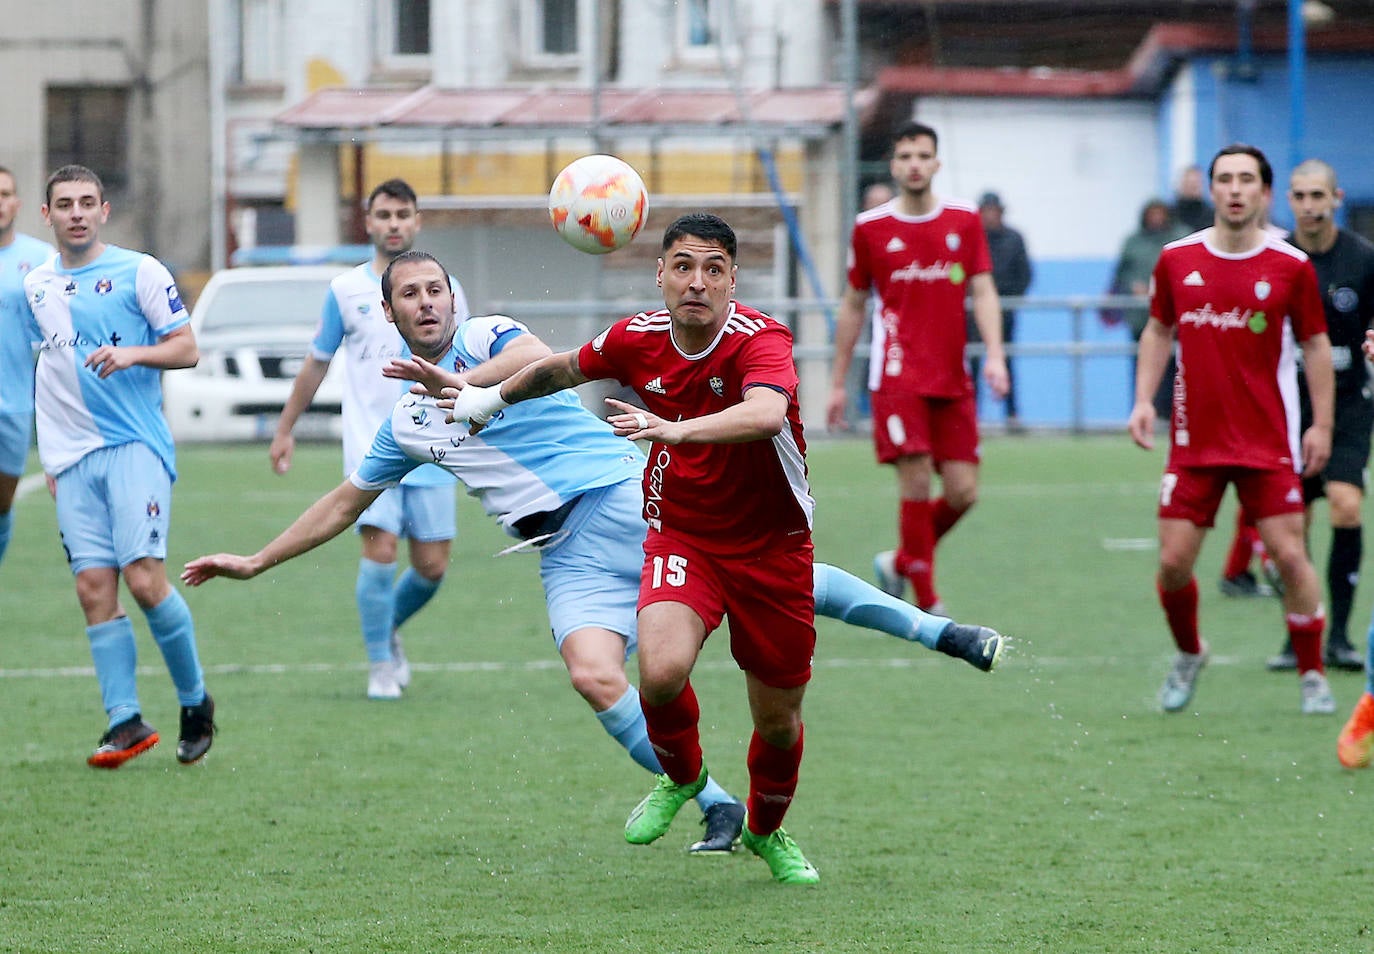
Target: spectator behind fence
[[1137, 260], [1011, 273], [1191, 210]]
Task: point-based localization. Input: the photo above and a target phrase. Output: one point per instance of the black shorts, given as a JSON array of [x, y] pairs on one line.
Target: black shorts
[[1349, 444]]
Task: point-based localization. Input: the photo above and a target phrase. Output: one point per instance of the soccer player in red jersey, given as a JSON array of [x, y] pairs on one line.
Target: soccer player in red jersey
[[922, 255], [1236, 298], [729, 513]]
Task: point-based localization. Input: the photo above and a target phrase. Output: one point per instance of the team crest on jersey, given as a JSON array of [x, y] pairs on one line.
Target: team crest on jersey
[[154, 509], [104, 286], [717, 385], [952, 241], [70, 290], [1345, 299], [1262, 289], [24, 268]]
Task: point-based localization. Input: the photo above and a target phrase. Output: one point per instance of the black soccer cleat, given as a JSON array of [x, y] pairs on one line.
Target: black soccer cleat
[[723, 822], [197, 731], [978, 646], [1341, 655], [122, 742]]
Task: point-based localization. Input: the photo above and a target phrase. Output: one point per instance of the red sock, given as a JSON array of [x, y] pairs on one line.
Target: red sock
[[943, 517], [1180, 609], [1305, 633], [673, 732], [1242, 546], [916, 557], [772, 782]]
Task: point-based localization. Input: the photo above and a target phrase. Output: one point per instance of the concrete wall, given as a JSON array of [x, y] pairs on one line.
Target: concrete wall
[[158, 49]]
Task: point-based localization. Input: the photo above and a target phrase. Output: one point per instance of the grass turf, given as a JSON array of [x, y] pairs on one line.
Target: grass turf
[[1045, 807]]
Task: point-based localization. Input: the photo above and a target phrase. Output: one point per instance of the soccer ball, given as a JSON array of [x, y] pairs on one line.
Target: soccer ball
[[598, 204]]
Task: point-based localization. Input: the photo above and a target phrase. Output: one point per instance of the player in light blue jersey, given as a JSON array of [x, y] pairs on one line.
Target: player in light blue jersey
[[557, 478], [422, 507], [19, 254], [110, 321]]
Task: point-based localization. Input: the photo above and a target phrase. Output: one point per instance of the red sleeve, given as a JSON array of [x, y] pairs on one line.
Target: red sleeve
[[1305, 310], [768, 362], [980, 258], [1162, 294], [860, 276], [597, 358]]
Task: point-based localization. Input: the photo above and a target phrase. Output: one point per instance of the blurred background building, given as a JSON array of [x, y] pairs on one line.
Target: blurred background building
[[230, 128]]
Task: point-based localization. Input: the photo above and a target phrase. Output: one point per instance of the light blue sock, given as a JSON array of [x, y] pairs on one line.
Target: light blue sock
[[376, 607], [6, 523], [413, 591], [624, 722], [843, 596], [116, 660], [175, 634], [1369, 659]]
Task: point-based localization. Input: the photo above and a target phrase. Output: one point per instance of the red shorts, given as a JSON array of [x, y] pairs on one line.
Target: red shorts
[[906, 425], [1194, 493], [768, 598]]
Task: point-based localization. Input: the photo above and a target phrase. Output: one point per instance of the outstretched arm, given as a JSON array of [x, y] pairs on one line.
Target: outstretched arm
[[557, 372], [431, 379], [326, 518], [760, 416]]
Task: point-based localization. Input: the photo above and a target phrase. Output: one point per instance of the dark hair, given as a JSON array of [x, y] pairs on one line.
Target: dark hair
[[702, 225], [914, 130], [75, 173], [405, 258], [1245, 149], [398, 189], [5, 171]]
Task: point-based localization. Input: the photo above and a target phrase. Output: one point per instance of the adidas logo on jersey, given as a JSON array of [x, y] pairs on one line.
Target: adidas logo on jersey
[[656, 385], [1294, 496], [896, 245], [1194, 278]]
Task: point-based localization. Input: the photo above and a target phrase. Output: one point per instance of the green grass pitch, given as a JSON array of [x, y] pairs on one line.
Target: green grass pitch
[[1046, 807]]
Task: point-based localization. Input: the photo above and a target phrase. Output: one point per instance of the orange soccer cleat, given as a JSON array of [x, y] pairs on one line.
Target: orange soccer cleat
[[1354, 746]]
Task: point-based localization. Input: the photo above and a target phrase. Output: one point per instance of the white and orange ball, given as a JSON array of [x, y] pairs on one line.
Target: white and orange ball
[[598, 204]]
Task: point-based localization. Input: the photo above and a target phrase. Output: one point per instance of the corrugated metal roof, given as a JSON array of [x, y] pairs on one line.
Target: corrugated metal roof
[[808, 111]]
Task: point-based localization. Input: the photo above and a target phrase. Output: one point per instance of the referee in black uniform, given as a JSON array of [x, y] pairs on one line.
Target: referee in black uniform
[[1345, 273]]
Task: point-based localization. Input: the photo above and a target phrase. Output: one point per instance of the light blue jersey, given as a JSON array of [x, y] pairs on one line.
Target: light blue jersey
[[122, 298], [352, 318], [534, 457], [17, 334]]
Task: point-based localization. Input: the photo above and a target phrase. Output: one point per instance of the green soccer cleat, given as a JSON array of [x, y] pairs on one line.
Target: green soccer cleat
[[652, 817], [781, 854]]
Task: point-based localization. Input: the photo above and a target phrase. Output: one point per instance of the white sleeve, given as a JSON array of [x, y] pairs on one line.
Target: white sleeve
[[158, 297]]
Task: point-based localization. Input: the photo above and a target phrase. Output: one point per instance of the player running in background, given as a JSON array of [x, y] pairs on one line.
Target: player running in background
[[1344, 262], [110, 320], [422, 509], [19, 254], [557, 477], [1236, 298], [922, 255]]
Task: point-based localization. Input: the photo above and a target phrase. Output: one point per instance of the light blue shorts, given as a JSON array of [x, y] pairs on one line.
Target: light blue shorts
[[425, 514], [114, 506], [591, 570], [16, 430]]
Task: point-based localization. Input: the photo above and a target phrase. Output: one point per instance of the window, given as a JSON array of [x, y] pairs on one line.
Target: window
[[548, 31], [700, 28], [89, 125], [403, 34], [256, 42]]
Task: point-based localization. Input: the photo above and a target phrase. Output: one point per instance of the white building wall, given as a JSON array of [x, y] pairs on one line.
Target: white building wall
[[1073, 174]]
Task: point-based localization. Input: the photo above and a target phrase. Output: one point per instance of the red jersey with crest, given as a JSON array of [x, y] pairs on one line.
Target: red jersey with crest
[[724, 498], [920, 267], [1236, 318]]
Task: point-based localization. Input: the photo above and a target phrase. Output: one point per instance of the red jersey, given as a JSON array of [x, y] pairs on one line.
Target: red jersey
[[1236, 318], [920, 267], [724, 498]]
